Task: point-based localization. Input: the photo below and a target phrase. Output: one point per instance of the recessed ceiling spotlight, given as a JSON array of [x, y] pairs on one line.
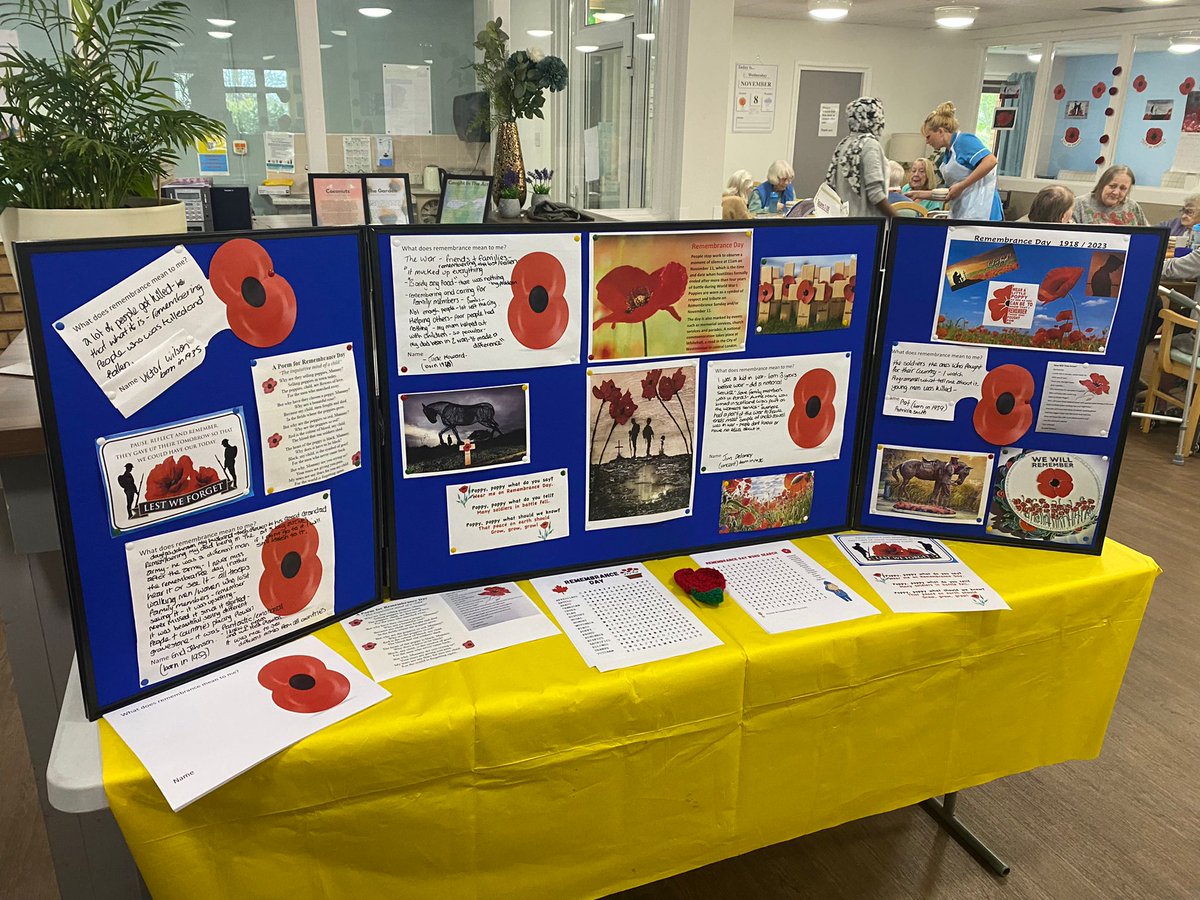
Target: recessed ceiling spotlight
[[829, 10], [955, 16], [586, 48], [222, 23], [221, 35], [539, 32], [375, 12], [1184, 43]]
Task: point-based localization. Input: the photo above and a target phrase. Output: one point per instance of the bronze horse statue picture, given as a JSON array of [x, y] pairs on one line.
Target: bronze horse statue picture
[[943, 474]]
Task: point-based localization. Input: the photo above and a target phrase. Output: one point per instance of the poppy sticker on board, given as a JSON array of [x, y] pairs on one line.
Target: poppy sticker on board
[[1059, 91], [538, 312], [1140, 83], [303, 684], [291, 568], [260, 304], [813, 414], [1004, 413]]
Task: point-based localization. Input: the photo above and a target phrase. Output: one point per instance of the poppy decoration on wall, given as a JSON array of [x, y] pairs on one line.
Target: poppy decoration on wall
[[538, 312], [1154, 137], [1071, 136], [260, 304], [1004, 413], [1140, 83], [1059, 92], [1188, 85], [1098, 89], [303, 684], [813, 414], [291, 568]]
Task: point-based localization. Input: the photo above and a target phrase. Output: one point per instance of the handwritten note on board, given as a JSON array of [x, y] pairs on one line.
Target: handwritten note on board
[[486, 302], [205, 593], [927, 381], [146, 332]]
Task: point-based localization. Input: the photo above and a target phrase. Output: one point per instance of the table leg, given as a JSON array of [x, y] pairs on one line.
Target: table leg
[[943, 814]]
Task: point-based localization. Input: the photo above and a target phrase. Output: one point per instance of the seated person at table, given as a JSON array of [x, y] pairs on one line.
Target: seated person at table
[[1109, 202], [737, 193], [896, 183], [1181, 225], [921, 177], [1182, 268], [774, 194], [1054, 204]]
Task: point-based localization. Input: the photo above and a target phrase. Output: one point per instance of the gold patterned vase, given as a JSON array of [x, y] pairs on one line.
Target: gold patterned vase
[[508, 159]]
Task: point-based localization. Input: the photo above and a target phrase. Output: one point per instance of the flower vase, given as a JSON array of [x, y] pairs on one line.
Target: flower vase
[[539, 199], [508, 159], [510, 208]]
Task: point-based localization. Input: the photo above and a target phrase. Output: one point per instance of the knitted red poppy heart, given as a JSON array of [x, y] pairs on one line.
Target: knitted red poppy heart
[[706, 586]]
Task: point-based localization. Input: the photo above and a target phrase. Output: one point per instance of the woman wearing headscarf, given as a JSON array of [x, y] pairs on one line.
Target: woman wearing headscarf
[[858, 170]]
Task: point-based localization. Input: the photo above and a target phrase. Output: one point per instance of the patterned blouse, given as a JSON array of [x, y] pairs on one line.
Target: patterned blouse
[[1089, 212]]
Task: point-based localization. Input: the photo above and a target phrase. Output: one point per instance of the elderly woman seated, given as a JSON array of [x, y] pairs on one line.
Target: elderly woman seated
[[774, 194], [737, 192], [1181, 226]]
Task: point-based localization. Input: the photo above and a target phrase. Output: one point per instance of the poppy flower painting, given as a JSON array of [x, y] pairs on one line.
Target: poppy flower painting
[[1004, 413], [1096, 384], [1098, 89], [663, 294], [303, 684], [260, 304], [538, 313], [806, 293], [291, 568], [813, 413], [1140, 83], [763, 502], [1048, 496], [1154, 137]]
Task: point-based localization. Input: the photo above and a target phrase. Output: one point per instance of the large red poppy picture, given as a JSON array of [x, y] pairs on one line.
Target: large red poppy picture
[[260, 304], [291, 568], [303, 684], [1004, 413], [813, 413], [538, 312]]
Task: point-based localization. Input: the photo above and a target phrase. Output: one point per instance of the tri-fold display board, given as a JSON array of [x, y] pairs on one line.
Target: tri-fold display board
[[228, 476]]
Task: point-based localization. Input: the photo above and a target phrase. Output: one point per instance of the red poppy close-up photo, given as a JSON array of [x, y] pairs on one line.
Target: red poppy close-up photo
[[1004, 412], [171, 478], [1054, 483], [1139, 83], [1096, 384], [1071, 136], [1058, 283], [1059, 92], [303, 684], [538, 312], [766, 293], [291, 568], [260, 304], [813, 415], [633, 295], [805, 291], [1154, 136]]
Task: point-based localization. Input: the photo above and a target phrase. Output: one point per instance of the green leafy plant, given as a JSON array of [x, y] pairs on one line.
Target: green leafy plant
[[515, 83], [509, 188], [93, 123], [541, 180]]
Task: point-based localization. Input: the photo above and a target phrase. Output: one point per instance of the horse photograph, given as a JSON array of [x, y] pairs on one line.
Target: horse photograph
[[477, 428], [930, 484]]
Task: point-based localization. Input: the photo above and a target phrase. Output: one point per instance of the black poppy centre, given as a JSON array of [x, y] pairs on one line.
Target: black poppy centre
[[812, 408], [302, 682], [253, 292], [539, 299], [1005, 403], [290, 564]]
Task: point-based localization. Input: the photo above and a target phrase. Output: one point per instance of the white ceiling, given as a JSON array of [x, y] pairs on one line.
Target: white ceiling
[[992, 13]]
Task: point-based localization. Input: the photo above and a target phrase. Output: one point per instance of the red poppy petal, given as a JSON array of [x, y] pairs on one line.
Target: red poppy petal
[[672, 281], [285, 595], [812, 417], [291, 536], [1058, 282], [276, 673], [303, 684], [235, 261], [1004, 413], [538, 329], [805, 291], [539, 269], [265, 318]]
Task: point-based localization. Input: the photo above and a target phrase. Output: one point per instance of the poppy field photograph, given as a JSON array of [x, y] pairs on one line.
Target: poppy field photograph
[[765, 502], [1053, 298], [464, 430], [642, 440], [669, 294], [933, 485], [805, 293], [1046, 496]]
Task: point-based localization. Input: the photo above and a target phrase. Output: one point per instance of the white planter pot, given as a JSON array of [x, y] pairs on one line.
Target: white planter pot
[[539, 199], [510, 208], [164, 217]]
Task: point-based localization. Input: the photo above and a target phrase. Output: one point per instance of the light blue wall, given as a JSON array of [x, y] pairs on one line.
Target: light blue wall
[[1164, 72], [1078, 75]]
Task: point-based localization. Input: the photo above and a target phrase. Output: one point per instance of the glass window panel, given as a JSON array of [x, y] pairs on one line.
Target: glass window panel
[[1160, 122], [1008, 80], [1074, 118], [240, 78]]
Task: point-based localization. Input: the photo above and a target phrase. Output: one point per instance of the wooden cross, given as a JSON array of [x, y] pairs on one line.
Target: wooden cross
[[466, 447]]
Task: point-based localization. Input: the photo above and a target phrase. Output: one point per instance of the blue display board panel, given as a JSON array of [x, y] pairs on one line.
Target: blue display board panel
[[326, 271], [421, 560], [1070, 315]]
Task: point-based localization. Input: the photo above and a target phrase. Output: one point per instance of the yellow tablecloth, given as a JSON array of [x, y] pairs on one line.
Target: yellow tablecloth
[[524, 773]]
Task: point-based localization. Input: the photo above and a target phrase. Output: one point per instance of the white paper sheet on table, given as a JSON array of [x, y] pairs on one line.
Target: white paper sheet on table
[[622, 616], [784, 589], [408, 635], [196, 737], [917, 574], [15, 359]]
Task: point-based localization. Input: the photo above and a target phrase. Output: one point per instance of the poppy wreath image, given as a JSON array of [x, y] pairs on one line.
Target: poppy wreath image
[[260, 305], [538, 313], [1154, 136], [303, 684], [1004, 413], [705, 586], [1139, 83], [291, 568], [812, 417], [1071, 136]]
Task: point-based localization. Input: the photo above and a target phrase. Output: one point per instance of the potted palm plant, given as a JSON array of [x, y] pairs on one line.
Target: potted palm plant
[[91, 127]]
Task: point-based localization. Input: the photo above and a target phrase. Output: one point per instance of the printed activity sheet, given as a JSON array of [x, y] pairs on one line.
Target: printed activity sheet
[[622, 616], [916, 575], [174, 469], [926, 380], [408, 635], [308, 415], [196, 737], [205, 593], [775, 412], [476, 303], [524, 509], [784, 589], [1079, 399], [147, 331]]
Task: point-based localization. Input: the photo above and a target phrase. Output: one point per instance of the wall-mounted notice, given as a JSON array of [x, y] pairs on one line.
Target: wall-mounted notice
[[827, 119], [142, 335], [669, 293], [525, 509], [775, 412], [384, 155], [280, 149], [407, 103], [926, 382], [205, 593], [174, 469], [308, 416], [213, 155], [356, 153], [485, 302], [754, 98]]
